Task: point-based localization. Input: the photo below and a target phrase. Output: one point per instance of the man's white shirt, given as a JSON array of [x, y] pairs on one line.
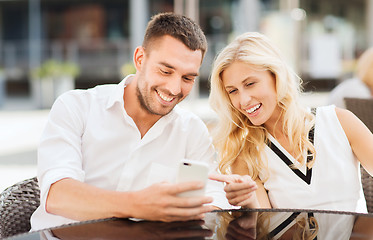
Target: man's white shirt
[[90, 137]]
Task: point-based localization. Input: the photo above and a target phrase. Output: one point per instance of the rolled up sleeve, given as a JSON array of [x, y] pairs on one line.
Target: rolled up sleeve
[[59, 152]]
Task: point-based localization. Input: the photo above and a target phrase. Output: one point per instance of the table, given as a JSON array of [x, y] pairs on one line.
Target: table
[[225, 224]]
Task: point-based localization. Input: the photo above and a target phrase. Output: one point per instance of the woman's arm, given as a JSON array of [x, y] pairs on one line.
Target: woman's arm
[[359, 136], [262, 196]]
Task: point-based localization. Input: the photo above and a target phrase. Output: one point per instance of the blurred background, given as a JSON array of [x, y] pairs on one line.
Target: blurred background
[[50, 46]]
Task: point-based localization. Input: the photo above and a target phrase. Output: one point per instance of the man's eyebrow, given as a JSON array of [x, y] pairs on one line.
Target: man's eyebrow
[[167, 65], [192, 74], [172, 67]]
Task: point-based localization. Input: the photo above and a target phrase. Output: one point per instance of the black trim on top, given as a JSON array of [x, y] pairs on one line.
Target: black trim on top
[[283, 225], [306, 178], [290, 219], [286, 160]]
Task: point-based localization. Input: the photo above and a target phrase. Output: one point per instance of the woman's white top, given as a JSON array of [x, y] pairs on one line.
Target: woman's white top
[[335, 182]]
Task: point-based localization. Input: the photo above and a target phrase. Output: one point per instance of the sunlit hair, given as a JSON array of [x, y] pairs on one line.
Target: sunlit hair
[[235, 136], [176, 26], [365, 68]]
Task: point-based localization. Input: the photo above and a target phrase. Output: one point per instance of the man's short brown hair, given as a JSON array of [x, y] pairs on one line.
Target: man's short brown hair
[[177, 26]]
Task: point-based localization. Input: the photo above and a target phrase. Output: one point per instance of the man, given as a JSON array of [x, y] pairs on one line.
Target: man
[[112, 151]]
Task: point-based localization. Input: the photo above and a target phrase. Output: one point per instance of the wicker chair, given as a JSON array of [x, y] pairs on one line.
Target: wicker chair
[[17, 203], [363, 109]]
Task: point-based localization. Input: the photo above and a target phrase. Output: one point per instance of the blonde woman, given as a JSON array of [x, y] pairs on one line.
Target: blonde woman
[[360, 86], [297, 159]]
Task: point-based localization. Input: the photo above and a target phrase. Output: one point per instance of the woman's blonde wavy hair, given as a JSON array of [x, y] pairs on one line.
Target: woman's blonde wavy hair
[[235, 136]]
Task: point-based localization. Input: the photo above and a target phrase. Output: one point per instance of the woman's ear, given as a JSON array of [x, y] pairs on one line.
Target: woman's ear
[[138, 57]]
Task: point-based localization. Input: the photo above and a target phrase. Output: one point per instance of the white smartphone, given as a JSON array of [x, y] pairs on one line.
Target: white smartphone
[[190, 170]]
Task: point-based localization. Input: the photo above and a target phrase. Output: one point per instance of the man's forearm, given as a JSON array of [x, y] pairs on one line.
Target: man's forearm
[[79, 201], [159, 202]]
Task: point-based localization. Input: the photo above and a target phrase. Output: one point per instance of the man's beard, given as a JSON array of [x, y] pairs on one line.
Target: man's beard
[[144, 104]]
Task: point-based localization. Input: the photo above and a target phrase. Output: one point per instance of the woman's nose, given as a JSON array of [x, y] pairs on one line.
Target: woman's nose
[[245, 99]]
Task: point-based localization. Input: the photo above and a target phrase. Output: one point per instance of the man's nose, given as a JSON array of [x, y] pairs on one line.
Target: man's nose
[[174, 85]]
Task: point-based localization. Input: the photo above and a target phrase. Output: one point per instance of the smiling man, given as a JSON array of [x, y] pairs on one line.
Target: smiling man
[[166, 71], [113, 151]]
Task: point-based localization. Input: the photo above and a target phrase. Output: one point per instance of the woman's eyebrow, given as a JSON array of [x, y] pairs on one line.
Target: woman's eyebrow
[[249, 78], [228, 86]]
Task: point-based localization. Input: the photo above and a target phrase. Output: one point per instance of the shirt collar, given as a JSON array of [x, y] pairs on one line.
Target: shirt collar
[[117, 94]]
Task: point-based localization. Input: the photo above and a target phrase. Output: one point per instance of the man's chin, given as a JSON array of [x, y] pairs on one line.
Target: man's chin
[[164, 112], [161, 111]]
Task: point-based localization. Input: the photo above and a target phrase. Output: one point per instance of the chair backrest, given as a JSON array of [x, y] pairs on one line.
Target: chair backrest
[[362, 108], [17, 203]]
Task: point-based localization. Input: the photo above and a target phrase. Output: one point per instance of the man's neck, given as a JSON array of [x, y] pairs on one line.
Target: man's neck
[[142, 118]]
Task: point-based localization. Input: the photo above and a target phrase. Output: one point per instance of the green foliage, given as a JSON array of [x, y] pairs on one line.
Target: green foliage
[[127, 68], [55, 69]]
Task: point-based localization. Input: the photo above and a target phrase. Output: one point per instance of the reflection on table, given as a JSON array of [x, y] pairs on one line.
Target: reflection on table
[[227, 224]]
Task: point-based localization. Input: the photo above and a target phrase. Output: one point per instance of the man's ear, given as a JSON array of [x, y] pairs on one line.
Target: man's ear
[[138, 57]]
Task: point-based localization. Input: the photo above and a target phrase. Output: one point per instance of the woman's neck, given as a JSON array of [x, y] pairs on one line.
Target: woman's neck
[[274, 125]]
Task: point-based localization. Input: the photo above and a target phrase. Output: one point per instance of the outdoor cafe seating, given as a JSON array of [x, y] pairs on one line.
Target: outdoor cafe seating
[[18, 202]]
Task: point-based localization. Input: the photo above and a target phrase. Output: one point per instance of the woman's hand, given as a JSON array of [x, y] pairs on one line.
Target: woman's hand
[[240, 190]]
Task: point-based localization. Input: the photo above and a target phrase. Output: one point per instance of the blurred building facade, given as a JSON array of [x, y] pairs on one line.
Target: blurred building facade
[[320, 39]]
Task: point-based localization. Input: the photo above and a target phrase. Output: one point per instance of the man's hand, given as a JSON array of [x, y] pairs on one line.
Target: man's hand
[[240, 190], [161, 202]]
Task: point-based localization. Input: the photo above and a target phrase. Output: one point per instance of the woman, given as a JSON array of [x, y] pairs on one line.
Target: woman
[[265, 133]]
